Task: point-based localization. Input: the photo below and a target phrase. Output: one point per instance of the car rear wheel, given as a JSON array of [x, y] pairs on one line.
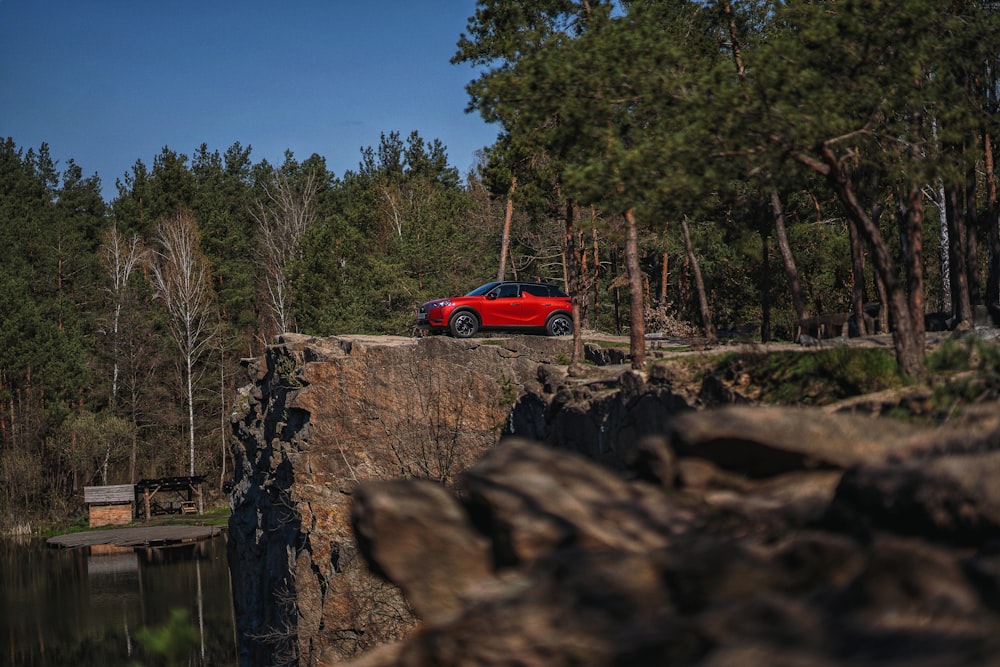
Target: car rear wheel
[[559, 324], [463, 324]]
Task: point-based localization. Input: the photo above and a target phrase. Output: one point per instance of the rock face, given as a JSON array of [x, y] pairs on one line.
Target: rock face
[[609, 518], [736, 536], [322, 415]]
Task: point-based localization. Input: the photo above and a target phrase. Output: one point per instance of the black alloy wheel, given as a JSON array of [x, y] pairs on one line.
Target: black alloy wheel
[[559, 324], [463, 324]]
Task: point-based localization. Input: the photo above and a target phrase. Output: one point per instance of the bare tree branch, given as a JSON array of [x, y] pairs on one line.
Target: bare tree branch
[[283, 217], [180, 275], [121, 257]]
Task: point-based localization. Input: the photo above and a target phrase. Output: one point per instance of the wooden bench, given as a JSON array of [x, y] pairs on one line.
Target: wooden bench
[[170, 495]]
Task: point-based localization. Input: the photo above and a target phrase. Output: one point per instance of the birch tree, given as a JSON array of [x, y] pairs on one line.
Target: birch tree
[[121, 257], [283, 215], [181, 279]]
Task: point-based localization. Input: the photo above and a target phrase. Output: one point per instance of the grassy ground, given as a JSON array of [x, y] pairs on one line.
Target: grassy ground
[[960, 372]]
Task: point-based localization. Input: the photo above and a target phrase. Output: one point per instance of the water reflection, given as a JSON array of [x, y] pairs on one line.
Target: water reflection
[[84, 607]]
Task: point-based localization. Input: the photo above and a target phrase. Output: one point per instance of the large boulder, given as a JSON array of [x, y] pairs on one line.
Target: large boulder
[[594, 572], [953, 498], [740, 536]]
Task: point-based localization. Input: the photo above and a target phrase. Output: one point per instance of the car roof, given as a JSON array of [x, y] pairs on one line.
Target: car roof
[[552, 288], [497, 283]]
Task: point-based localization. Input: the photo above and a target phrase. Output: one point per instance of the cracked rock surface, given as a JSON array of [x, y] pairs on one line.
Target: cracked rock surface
[[321, 415], [779, 537], [443, 502]]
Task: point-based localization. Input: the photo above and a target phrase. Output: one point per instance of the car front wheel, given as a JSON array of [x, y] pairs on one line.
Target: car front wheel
[[559, 325], [463, 324]]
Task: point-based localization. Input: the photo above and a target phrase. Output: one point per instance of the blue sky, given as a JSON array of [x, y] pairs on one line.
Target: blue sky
[[109, 82]]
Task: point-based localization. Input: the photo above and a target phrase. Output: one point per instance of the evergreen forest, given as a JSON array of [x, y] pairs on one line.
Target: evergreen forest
[[717, 168]]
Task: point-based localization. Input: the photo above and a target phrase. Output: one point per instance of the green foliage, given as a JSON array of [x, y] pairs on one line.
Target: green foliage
[[170, 644], [508, 392], [816, 378], [966, 371], [146, 196], [95, 440], [964, 354], [221, 205], [635, 106], [731, 256], [52, 225], [396, 237]]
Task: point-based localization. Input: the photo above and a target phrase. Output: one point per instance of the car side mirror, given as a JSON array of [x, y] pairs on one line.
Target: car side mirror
[[491, 296]]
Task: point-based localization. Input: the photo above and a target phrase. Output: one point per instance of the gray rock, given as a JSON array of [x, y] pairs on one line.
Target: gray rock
[[766, 441], [416, 534], [533, 500], [597, 581], [953, 498]]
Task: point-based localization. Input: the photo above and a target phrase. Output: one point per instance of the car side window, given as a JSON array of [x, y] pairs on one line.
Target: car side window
[[507, 291], [535, 290]]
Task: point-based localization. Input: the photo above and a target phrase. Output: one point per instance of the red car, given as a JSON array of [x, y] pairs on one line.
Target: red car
[[506, 306]]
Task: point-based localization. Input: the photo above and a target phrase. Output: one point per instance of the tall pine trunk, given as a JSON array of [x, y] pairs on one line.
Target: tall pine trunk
[[993, 225], [765, 288], [907, 341], [972, 239], [573, 282], [505, 236], [857, 275], [637, 324], [961, 303], [913, 258], [699, 284], [595, 304], [787, 259]]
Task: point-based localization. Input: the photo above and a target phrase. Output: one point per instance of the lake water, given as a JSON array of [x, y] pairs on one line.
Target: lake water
[[89, 606]]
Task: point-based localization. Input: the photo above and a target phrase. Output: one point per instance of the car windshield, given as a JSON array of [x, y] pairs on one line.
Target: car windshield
[[482, 289]]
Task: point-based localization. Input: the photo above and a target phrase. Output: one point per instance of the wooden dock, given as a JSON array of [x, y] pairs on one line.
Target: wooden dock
[[139, 536]]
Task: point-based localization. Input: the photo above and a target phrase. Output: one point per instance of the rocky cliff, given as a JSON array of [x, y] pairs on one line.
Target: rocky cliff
[[621, 519], [322, 415]]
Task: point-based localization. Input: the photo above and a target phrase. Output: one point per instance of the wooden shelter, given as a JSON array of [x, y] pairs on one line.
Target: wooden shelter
[[110, 505], [171, 495]]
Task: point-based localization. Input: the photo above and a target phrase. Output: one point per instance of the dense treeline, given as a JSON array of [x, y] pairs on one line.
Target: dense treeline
[[729, 164], [125, 321], [673, 112]]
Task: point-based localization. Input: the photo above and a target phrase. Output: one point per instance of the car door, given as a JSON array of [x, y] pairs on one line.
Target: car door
[[535, 306], [502, 306]]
